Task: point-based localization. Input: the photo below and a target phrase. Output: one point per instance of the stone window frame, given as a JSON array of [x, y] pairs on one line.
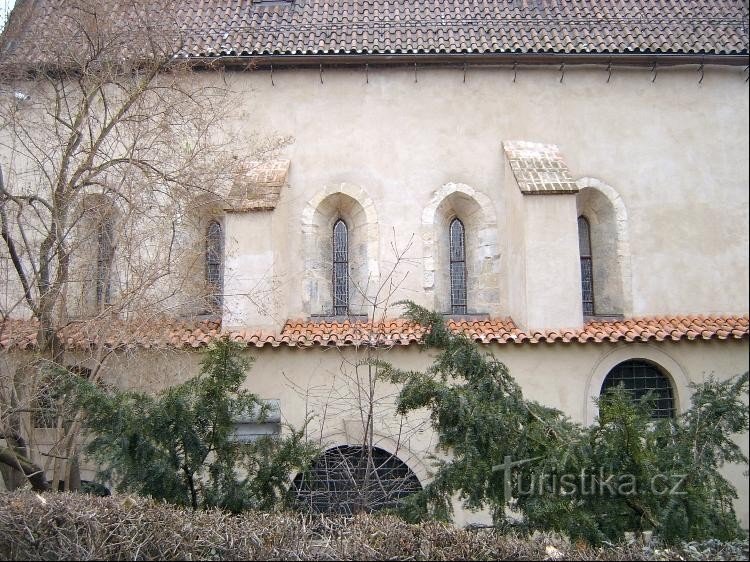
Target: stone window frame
[[482, 248], [319, 215], [622, 254]]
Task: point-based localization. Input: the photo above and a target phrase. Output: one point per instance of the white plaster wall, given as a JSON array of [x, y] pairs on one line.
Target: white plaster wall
[[675, 151], [250, 277], [553, 271]]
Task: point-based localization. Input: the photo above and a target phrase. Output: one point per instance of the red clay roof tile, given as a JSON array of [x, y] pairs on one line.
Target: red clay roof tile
[[21, 334]]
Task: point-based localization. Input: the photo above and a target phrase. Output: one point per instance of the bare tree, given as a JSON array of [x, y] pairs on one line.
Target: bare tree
[[362, 476], [111, 149]]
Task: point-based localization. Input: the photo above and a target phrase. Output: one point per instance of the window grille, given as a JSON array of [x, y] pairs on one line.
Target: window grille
[[458, 267], [340, 268], [587, 266], [348, 480], [105, 255], [640, 378], [214, 255]]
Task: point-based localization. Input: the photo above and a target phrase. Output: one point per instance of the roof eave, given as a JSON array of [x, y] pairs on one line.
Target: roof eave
[[488, 59]]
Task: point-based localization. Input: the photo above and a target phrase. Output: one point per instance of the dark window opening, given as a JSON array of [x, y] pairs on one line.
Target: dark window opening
[[94, 489], [214, 269], [640, 378], [340, 269], [587, 266], [354, 479], [458, 267], [105, 255]]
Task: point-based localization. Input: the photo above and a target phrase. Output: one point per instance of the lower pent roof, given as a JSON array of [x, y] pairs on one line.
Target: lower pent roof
[[21, 334]]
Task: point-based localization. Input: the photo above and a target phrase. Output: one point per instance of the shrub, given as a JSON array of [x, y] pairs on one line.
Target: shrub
[[505, 451], [178, 445], [67, 526]]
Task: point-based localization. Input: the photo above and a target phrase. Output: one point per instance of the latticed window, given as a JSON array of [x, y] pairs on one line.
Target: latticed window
[[587, 267], [340, 268], [105, 255], [458, 267], [354, 479], [640, 378], [214, 255]]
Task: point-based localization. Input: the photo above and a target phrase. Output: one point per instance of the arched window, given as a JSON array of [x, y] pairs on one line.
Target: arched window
[[458, 267], [354, 479], [641, 377], [340, 269], [587, 267], [105, 255], [214, 255]]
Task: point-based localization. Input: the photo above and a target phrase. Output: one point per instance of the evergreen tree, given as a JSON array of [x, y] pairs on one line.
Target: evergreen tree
[[509, 453], [178, 445]]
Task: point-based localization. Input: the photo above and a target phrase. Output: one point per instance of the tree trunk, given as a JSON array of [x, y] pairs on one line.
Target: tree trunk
[[33, 473]]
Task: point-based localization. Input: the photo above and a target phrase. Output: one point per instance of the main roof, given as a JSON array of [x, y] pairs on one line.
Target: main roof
[[305, 28]]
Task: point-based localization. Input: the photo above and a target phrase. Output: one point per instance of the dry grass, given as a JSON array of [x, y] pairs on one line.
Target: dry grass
[[80, 527]]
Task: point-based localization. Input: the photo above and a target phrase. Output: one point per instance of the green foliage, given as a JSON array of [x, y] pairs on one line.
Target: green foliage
[[623, 473], [178, 445]]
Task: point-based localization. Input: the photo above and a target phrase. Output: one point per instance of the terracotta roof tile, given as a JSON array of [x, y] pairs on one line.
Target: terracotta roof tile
[[21, 334], [259, 188], [310, 27], [539, 168]]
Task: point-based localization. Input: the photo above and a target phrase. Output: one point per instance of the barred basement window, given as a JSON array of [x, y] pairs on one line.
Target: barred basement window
[[587, 267], [640, 377], [340, 268], [458, 267], [105, 255], [214, 254], [348, 480]]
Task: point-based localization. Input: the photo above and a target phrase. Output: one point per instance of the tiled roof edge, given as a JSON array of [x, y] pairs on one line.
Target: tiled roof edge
[[21, 334]]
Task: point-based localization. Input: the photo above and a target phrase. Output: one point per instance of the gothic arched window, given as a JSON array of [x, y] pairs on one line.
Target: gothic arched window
[[340, 268], [458, 267], [214, 254], [641, 377], [587, 266], [105, 249]]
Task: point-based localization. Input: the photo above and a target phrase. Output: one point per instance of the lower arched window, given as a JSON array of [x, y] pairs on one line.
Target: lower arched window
[[354, 479], [641, 377]]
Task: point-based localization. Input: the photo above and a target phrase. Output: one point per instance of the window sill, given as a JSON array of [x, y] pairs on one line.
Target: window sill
[[339, 318], [471, 316], [603, 317]]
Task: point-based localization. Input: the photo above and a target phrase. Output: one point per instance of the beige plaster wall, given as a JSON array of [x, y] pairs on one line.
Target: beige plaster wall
[[321, 383], [674, 150]]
